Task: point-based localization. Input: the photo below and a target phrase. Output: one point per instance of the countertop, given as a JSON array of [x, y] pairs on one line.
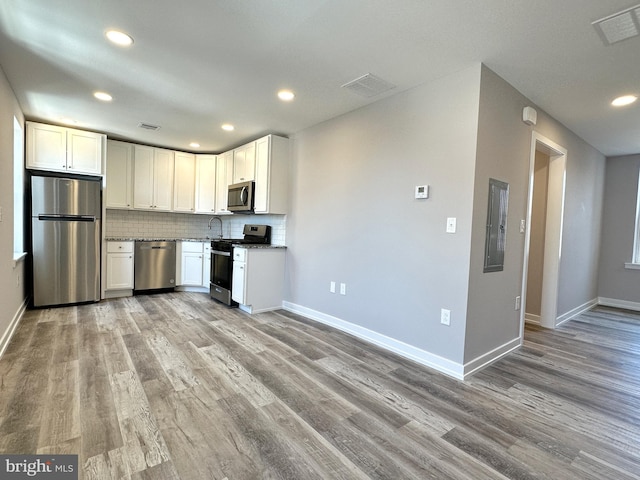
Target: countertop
[[134, 239], [203, 240]]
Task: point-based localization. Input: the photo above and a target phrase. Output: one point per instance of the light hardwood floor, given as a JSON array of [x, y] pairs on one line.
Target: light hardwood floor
[[176, 386]]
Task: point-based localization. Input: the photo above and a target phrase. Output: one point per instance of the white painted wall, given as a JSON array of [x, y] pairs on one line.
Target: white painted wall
[[12, 277], [354, 218]]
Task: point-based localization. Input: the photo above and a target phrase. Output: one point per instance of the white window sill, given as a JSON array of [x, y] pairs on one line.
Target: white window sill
[[632, 266], [18, 257]]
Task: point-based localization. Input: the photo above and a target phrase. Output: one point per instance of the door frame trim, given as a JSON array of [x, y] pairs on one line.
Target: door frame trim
[[553, 229]]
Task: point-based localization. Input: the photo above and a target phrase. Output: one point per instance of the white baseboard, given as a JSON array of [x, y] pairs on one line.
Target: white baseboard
[[565, 317], [484, 360], [6, 337], [531, 318], [612, 302], [418, 355]]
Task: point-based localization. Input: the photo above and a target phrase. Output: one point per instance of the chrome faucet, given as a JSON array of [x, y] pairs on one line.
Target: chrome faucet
[[220, 220]]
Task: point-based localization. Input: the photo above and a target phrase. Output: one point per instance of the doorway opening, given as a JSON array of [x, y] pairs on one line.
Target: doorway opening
[[543, 243]]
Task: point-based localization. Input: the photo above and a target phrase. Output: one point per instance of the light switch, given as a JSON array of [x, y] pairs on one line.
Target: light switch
[[451, 225]]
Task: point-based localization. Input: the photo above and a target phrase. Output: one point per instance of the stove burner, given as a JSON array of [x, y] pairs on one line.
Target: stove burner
[[253, 234]]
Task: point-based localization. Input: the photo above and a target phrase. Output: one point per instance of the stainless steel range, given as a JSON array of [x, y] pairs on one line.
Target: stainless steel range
[[222, 259]]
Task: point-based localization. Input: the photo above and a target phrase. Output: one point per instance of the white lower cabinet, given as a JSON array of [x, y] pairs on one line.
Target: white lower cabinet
[[258, 278], [206, 267], [119, 265], [193, 267]]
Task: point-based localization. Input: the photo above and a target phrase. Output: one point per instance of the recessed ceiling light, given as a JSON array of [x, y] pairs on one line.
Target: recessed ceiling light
[[119, 38], [104, 96], [286, 95], [228, 127], [194, 145], [624, 100]]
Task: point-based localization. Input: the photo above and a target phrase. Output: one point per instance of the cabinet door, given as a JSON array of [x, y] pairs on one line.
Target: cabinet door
[[46, 147], [206, 266], [143, 177], [262, 175], [184, 182], [206, 183], [162, 179], [192, 269], [84, 152], [272, 175], [238, 282], [244, 161], [224, 177], [119, 190], [119, 271]]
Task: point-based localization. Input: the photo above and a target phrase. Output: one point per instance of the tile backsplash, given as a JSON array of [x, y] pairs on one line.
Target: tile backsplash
[[157, 225]]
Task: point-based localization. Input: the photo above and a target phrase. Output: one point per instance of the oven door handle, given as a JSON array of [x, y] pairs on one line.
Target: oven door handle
[[218, 252]]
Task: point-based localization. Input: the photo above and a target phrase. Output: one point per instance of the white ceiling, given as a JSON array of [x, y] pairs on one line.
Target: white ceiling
[[199, 63]]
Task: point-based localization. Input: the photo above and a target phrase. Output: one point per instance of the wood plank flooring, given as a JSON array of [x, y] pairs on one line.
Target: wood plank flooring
[[176, 386]]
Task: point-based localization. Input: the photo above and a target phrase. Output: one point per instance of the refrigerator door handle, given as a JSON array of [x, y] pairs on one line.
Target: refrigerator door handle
[[67, 218]]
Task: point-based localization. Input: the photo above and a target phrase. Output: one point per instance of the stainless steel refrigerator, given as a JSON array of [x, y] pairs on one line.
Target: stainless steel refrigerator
[[65, 229]]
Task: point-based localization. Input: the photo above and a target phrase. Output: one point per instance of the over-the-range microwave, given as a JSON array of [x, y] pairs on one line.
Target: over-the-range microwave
[[240, 197]]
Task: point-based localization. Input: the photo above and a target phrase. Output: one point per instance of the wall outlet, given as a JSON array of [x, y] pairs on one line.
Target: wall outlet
[[518, 302], [343, 289], [445, 316], [332, 287]]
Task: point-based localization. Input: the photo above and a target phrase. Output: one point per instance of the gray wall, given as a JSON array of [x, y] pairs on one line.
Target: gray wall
[[12, 279], [537, 232], [354, 218], [584, 196], [621, 189], [503, 153], [504, 143]]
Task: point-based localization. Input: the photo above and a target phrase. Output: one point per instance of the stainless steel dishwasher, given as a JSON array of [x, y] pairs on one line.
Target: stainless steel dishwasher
[[154, 265]]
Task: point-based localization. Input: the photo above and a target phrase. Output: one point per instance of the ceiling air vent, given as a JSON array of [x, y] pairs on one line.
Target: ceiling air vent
[[368, 85], [619, 26], [148, 126]]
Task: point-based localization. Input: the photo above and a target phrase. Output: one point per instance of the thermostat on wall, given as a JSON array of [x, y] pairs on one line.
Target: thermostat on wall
[[422, 191]]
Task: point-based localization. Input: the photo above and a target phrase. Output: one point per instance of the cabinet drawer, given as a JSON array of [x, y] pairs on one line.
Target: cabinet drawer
[[119, 247], [239, 254], [192, 247]]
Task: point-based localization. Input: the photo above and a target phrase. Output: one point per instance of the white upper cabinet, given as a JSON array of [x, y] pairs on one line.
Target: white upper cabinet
[[272, 175], [184, 183], [153, 178], [119, 175], [206, 184], [84, 151], [244, 163], [60, 149], [224, 178]]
